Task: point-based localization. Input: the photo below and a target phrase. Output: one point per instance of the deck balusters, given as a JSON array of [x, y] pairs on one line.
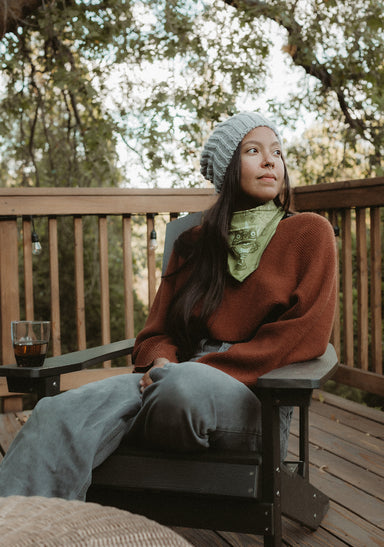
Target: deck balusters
[[28, 271], [376, 291], [356, 207], [347, 286], [79, 282], [104, 283], [151, 260], [55, 286]]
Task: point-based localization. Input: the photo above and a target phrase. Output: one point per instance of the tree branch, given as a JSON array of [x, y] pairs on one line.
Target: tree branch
[[13, 13], [16, 13], [302, 55]]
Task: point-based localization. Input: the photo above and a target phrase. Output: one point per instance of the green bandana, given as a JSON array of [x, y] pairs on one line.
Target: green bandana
[[249, 234]]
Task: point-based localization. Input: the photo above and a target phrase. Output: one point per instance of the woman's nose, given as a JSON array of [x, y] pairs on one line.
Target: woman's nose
[[268, 161]]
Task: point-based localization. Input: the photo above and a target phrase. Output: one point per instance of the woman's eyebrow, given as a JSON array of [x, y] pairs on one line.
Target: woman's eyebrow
[[259, 143]]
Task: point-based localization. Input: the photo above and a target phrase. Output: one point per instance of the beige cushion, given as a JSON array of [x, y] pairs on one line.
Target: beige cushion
[[49, 522]]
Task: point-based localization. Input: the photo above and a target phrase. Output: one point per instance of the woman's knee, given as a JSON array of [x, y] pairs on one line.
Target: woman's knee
[[189, 402], [171, 414], [168, 395], [187, 386]]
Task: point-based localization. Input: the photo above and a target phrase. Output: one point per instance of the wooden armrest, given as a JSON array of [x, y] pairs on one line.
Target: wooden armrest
[[70, 362], [306, 375]]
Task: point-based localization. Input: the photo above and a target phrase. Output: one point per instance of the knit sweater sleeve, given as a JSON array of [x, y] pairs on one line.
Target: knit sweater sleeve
[[301, 332], [152, 341]]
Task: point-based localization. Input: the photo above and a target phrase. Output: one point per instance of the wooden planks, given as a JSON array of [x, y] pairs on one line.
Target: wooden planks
[[103, 201], [10, 424], [208, 538], [347, 464], [352, 407], [69, 201], [347, 457], [350, 528], [345, 194]]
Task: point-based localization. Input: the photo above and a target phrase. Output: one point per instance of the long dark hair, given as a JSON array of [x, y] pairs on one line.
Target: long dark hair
[[202, 293]]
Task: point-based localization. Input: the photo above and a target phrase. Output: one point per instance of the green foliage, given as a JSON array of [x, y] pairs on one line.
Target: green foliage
[[325, 154], [175, 66], [339, 46], [151, 76]]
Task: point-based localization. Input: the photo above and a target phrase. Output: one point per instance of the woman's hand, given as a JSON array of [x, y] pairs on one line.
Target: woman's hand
[[146, 379]]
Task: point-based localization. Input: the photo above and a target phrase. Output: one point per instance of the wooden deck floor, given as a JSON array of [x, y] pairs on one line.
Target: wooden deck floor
[[347, 457]]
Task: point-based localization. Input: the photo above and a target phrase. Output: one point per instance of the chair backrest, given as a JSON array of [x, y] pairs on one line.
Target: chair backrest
[[174, 229]]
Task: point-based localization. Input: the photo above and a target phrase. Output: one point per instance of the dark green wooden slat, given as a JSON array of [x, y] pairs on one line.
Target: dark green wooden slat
[[71, 362], [308, 375]]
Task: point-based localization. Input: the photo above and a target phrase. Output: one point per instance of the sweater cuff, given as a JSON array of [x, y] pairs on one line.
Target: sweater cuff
[[145, 362]]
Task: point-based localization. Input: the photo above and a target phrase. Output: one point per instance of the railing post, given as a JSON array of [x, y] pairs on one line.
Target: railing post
[[28, 271], [129, 327], [376, 304], [79, 282], [9, 299], [104, 283], [9, 286], [336, 331], [55, 288], [362, 288], [151, 259], [128, 277], [347, 277]]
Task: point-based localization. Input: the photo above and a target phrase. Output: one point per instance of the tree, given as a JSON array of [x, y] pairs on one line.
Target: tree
[[56, 73], [55, 130], [180, 65], [14, 12], [340, 46], [321, 154]]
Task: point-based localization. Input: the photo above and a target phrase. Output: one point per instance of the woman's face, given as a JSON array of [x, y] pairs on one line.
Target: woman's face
[[262, 167]]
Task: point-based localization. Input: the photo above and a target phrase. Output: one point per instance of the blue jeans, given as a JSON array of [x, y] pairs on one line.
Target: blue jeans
[[190, 406]]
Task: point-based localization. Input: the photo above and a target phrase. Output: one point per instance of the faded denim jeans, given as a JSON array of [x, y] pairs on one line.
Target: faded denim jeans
[[190, 406]]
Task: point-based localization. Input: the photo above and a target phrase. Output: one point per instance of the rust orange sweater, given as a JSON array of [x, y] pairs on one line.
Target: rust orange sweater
[[282, 313]]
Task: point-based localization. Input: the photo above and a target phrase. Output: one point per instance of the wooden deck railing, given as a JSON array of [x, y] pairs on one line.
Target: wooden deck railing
[[356, 207]]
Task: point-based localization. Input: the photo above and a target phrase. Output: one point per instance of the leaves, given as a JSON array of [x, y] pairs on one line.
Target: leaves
[[92, 86], [340, 46]]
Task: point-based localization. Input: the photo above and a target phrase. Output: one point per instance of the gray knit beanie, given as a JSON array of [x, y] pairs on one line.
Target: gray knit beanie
[[224, 140]]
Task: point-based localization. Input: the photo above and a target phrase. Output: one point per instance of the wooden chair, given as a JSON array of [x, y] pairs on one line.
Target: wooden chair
[[240, 492]]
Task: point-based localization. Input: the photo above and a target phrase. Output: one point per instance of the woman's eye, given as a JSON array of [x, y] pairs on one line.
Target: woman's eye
[[253, 150], [277, 152]]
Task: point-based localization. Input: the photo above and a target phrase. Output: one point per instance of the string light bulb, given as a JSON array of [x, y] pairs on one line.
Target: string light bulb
[[153, 240], [36, 245]]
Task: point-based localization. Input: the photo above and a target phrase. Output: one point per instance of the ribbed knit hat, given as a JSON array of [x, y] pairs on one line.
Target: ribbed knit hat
[[225, 138]]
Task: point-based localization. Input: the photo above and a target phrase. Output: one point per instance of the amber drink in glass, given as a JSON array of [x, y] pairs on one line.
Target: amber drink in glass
[[30, 342]]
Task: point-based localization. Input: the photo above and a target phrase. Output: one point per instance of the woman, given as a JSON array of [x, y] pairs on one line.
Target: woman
[[251, 289]]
